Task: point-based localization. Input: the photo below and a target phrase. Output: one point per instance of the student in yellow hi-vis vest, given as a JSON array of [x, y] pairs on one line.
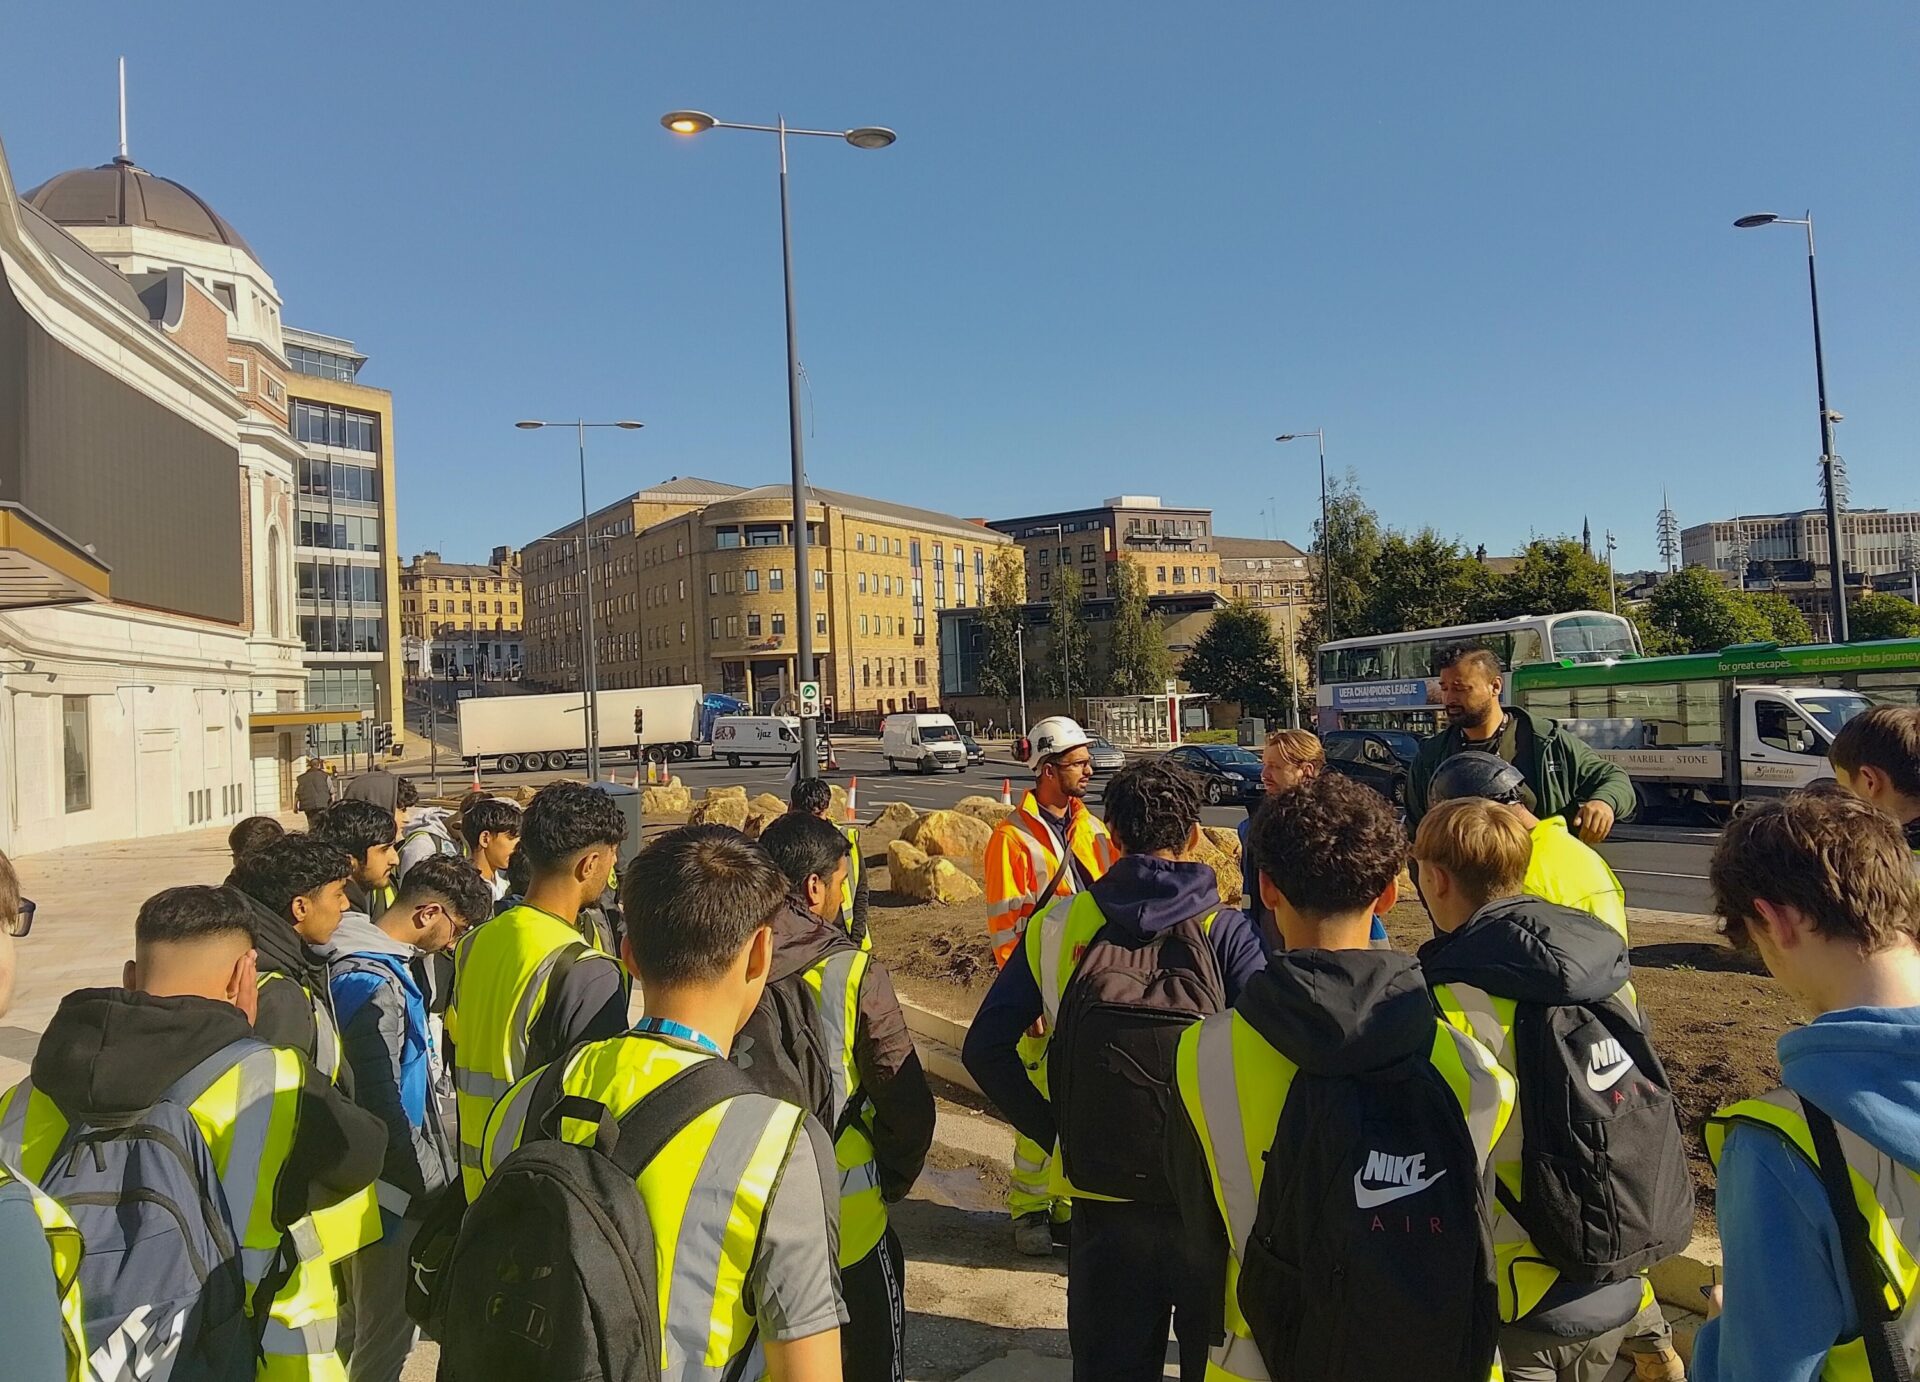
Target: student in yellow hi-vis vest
[[282, 1142], [1819, 1180], [740, 1199]]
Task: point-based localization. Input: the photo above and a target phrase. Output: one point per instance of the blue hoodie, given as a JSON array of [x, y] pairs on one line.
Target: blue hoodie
[[1787, 1298], [1140, 896]]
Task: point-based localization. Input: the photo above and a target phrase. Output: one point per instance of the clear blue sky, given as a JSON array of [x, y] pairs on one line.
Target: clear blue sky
[[1116, 249]]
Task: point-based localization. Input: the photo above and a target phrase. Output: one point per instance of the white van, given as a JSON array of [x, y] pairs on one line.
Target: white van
[[755, 738], [924, 741]]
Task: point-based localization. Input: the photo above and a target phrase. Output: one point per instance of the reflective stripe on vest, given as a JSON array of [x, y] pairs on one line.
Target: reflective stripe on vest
[[63, 1249], [1022, 856], [1234, 1086], [834, 984], [500, 983], [245, 1100], [735, 1154], [1887, 1193], [850, 886]]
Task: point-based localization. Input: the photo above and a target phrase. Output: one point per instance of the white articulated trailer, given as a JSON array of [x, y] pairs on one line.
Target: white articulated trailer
[[529, 733]]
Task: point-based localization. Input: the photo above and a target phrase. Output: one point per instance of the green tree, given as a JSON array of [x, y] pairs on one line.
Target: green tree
[[1238, 658], [1699, 613], [1554, 576], [1000, 613], [1787, 623], [1346, 549], [1137, 658], [1880, 615], [1420, 581], [1069, 668]]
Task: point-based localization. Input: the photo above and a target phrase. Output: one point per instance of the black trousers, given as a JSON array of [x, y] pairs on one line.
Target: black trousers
[[1126, 1277], [873, 1340]]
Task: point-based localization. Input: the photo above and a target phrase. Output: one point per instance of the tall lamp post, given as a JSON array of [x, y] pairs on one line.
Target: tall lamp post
[[1836, 565], [589, 662], [1326, 525], [691, 122]]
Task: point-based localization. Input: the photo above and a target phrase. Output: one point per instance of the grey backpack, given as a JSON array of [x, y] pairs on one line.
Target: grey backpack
[[161, 1278]]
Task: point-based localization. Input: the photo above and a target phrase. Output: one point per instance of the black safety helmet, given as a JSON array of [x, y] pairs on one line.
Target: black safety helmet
[[1477, 774]]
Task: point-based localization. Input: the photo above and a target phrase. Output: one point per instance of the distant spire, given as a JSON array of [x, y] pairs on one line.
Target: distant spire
[[124, 157], [1586, 534], [1668, 530]]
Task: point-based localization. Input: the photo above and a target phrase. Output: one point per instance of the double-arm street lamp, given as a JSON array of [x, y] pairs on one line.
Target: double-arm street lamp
[[691, 122], [1326, 527], [1836, 565], [589, 660]]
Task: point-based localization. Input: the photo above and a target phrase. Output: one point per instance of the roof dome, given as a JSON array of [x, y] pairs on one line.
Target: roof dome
[[121, 193]]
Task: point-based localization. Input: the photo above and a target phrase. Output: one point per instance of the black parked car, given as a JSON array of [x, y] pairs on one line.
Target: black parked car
[[975, 754], [1380, 758], [1229, 773]]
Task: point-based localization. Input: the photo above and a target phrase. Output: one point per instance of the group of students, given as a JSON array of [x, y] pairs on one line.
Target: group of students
[[380, 1078], [1308, 1156]]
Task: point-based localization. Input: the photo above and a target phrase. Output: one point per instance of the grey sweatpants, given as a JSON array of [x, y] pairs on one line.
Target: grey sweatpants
[[375, 1334]]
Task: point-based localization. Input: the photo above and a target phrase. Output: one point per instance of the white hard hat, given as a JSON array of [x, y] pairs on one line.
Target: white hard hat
[[1055, 735]]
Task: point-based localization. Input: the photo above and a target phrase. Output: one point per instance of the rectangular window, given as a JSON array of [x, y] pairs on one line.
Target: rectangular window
[[776, 578], [1179, 575], [779, 623], [753, 626], [753, 581], [863, 583], [859, 542], [913, 552], [1086, 551], [713, 627], [1160, 573], [729, 583], [819, 580], [79, 752], [733, 626], [726, 537], [820, 624], [919, 671], [713, 582]]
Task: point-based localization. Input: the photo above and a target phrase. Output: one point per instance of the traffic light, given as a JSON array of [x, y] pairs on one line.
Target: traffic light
[[313, 742], [639, 721], [382, 738]]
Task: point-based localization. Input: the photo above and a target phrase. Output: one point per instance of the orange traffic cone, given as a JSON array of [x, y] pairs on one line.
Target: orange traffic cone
[[1006, 791], [476, 775], [853, 797]]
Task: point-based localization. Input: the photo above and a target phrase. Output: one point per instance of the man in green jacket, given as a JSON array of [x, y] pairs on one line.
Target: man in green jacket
[[1565, 776]]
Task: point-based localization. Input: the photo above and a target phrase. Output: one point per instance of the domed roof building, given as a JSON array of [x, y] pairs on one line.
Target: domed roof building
[[122, 193]]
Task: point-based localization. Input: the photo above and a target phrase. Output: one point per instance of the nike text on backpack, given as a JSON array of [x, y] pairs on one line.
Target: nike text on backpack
[[161, 1280], [1371, 1245], [1604, 1187], [1110, 1064], [555, 1273]]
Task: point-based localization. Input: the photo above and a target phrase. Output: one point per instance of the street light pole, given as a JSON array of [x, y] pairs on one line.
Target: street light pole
[[1613, 586], [1020, 655], [1326, 524], [864, 137], [589, 661], [1836, 564]]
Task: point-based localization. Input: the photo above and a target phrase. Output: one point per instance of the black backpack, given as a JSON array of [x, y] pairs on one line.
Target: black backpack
[[1371, 1256], [1604, 1188], [782, 1050], [555, 1272], [1110, 1062]]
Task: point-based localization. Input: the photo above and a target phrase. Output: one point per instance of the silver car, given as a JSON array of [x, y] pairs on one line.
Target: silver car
[[1106, 758]]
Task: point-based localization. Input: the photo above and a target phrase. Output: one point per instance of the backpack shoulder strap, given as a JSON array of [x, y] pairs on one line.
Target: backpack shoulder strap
[[1886, 1352], [541, 1037], [199, 1080], [660, 1117]]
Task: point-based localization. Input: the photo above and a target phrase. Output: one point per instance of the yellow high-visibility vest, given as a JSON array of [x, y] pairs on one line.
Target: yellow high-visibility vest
[[850, 886], [248, 1114], [499, 987], [1055, 939], [1887, 1193], [64, 1249], [834, 984], [1234, 1085], [742, 1142]]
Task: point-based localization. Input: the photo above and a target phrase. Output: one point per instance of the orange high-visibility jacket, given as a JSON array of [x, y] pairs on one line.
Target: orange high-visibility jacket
[[1023, 855]]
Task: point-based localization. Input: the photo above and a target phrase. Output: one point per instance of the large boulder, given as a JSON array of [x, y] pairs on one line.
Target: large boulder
[[740, 792], [951, 835], [719, 807], [989, 809], [768, 805], [1224, 838], [913, 874], [1226, 869], [671, 799], [897, 815], [837, 812]]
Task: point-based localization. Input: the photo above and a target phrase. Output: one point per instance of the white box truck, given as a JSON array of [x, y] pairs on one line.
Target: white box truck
[[529, 733]]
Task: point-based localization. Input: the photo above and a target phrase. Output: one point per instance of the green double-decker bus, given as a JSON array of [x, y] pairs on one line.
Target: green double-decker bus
[[1719, 729]]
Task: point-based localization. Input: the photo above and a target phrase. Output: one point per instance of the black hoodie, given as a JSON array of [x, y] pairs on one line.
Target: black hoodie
[[108, 1053], [1330, 1012], [1535, 951], [286, 1016], [900, 1100]]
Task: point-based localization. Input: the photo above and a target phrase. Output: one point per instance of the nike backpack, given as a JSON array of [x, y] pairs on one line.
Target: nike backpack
[[1604, 1188], [161, 1278], [555, 1273], [782, 1050], [1371, 1256], [1110, 1062]]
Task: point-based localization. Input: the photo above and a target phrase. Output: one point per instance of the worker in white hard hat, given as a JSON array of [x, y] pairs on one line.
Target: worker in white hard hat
[[1051, 846]]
